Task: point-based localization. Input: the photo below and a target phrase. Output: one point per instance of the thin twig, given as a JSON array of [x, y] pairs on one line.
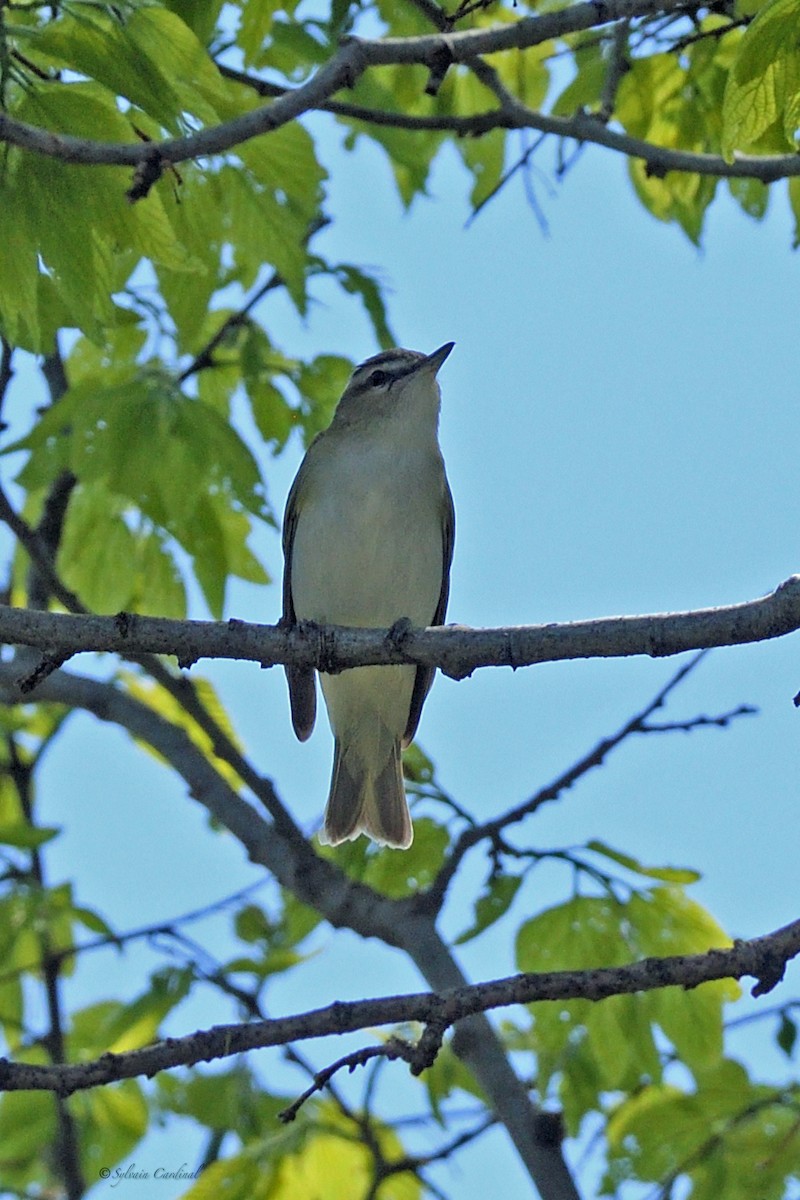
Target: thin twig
[[433, 899]]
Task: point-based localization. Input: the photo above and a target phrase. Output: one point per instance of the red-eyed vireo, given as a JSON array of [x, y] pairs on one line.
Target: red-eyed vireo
[[368, 540]]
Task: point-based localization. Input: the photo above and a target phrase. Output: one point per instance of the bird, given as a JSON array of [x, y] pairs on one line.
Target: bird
[[368, 537]]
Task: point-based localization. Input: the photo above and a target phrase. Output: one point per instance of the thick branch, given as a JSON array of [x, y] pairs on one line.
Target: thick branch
[[456, 650], [762, 958], [357, 55], [346, 66]]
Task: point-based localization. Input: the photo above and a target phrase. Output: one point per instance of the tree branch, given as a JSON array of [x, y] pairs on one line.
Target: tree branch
[[457, 650], [342, 902], [763, 958], [351, 60], [583, 127], [356, 55]]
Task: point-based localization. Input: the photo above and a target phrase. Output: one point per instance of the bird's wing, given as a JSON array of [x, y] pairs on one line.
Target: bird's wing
[[424, 676], [302, 685]]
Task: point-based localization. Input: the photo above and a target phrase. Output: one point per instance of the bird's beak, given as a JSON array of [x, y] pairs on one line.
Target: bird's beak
[[435, 360]]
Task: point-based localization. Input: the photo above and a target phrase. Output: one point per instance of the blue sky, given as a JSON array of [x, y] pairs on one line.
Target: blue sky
[[620, 427]]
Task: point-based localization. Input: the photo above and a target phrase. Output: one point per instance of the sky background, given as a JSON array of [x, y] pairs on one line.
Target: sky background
[[620, 428]]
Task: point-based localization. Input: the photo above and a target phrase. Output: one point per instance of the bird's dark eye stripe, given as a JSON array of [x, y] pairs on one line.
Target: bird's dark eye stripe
[[382, 370]]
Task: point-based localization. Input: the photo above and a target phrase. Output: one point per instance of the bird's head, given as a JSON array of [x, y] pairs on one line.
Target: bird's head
[[389, 380]]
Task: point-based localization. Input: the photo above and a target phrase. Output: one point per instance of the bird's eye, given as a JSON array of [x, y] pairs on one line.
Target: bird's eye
[[378, 378]]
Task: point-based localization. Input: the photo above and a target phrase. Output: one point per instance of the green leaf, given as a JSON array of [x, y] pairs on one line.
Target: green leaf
[[358, 282], [321, 383], [668, 922], [401, 874], [293, 49], [19, 269], [267, 230], [165, 704], [93, 921], [255, 25], [113, 1027], [285, 161], [584, 932], [618, 1029], [492, 904], [174, 458], [662, 1125], [729, 1137], [240, 1177], [410, 156], [667, 874], [97, 554], [25, 836], [340, 1167], [447, 1075], [27, 1123], [112, 1121], [751, 195], [762, 96], [226, 1100], [159, 589], [586, 89], [11, 1016], [200, 15], [786, 1036], [149, 56]]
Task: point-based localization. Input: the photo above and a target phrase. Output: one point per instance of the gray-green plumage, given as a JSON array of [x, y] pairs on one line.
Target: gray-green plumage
[[368, 539]]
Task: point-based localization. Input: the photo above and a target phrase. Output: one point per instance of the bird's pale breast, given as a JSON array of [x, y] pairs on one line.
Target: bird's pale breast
[[368, 544]]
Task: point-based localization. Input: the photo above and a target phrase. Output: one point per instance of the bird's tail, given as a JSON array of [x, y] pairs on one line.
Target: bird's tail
[[360, 802]]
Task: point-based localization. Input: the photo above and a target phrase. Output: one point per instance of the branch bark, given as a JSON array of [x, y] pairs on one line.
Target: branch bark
[[456, 650], [317, 882], [408, 924], [357, 55], [763, 958]]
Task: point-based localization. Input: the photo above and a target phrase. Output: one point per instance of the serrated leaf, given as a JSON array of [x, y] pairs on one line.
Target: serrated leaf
[[176, 459], [19, 270], [358, 282], [285, 161], [97, 553], [763, 88], [267, 230], [149, 56]]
